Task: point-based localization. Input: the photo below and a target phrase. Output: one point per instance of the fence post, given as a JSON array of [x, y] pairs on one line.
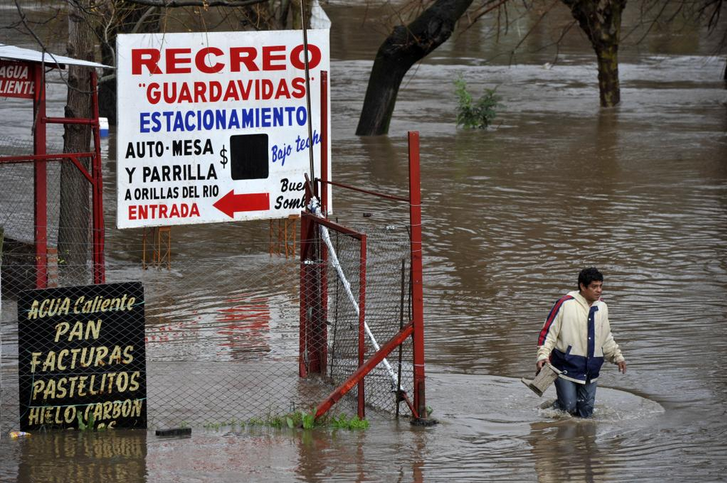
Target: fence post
[[415, 214], [99, 266], [324, 143], [303, 329], [361, 329]]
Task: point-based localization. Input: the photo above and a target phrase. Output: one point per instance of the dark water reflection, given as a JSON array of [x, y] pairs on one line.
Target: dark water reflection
[[72, 456], [511, 215]]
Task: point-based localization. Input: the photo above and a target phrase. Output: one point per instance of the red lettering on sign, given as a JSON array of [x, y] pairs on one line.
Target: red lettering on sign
[[174, 58], [148, 58], [243, 55], [298, 60], [156, 212], [211, 60], [201, 64], [269, 57], [234, 90]]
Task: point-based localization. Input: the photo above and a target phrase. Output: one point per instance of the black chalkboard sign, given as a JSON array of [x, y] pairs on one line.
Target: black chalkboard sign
[[82, 361]]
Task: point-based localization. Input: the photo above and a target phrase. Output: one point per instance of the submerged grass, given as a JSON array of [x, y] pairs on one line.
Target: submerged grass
[[294, 420]]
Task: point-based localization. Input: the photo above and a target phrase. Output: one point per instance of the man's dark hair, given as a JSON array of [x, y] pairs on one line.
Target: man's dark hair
[[588, 275]]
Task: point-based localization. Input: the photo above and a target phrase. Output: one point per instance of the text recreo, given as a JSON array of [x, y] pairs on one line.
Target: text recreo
[[211, 60]]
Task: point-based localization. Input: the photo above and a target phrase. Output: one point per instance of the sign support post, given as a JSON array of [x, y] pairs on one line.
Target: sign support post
[[415, 212], [39, 179]]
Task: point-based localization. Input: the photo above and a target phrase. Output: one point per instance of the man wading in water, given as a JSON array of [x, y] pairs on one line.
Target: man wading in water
[[576, 339]]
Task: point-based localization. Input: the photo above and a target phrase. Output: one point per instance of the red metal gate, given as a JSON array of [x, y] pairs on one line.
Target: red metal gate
[[335, 258], [40, 158]]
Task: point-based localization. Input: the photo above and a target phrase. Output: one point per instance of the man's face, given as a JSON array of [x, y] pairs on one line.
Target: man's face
[[592, 293]]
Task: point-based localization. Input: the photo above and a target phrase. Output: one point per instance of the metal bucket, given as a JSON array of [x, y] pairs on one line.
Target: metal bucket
[[543, 379]]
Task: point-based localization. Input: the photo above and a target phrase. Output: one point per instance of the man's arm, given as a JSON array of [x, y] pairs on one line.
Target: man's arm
[[611, 350], [549, 334]]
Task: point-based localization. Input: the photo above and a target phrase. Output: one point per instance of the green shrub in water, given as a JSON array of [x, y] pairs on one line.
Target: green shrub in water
[[344, 422], [89, 425], [309, 420], [296, 419], [475, 115], [255, 422]]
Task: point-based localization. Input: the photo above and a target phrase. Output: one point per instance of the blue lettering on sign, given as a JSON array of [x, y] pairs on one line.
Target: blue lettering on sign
[[144, 122], [248, 117], [223, 119], [301, 144], [279, 154]]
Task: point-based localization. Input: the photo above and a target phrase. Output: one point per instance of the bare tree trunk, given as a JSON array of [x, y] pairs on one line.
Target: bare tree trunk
[[400, 51], [74, 223], [608, 83], [295, 13], [600, 20]]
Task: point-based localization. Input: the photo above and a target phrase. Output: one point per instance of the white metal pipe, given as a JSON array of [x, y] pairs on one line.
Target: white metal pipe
[[347, 286]]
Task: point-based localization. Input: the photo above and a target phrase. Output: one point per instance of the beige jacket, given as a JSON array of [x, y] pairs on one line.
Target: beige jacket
[[577, 338]]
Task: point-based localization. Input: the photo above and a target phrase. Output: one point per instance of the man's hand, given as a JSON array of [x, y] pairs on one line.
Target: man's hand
[[622, 367], [539, 365]]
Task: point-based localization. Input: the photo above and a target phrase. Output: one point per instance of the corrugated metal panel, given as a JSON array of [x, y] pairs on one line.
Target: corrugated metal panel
[[11, 52]]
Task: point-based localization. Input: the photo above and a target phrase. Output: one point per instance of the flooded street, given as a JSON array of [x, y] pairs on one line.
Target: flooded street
[[510, 216]]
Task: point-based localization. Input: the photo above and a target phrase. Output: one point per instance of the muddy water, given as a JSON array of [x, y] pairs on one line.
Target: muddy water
[[510, 216]]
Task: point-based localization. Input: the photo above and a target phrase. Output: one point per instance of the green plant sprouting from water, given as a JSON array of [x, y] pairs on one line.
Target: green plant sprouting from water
[[473, 114], [88, 425], [293, 420], [344, 422], [309, 420]]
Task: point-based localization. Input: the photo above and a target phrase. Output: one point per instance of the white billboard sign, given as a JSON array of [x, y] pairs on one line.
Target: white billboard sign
[[213, 127]]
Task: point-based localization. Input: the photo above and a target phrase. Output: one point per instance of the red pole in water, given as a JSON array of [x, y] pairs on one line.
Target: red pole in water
[[415, 218], [321, 327], [39, 180], [324, 143]]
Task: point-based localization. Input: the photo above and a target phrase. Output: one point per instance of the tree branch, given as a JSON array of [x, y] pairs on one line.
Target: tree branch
[[196, 3], [540, 19]]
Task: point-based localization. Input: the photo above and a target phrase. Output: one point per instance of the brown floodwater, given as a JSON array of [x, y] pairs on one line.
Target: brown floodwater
[[510, 216]]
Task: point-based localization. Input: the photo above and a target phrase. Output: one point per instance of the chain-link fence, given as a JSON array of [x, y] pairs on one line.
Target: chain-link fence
[[220, 323], [356, 298], [220, 339], [221, 333], [68, 228]]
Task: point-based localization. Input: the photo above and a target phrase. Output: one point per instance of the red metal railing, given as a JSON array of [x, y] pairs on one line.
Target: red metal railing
[[39, 160], [312, 247]]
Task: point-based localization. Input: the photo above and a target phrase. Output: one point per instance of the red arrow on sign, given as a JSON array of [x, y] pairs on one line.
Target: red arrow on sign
[[231, 203]]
